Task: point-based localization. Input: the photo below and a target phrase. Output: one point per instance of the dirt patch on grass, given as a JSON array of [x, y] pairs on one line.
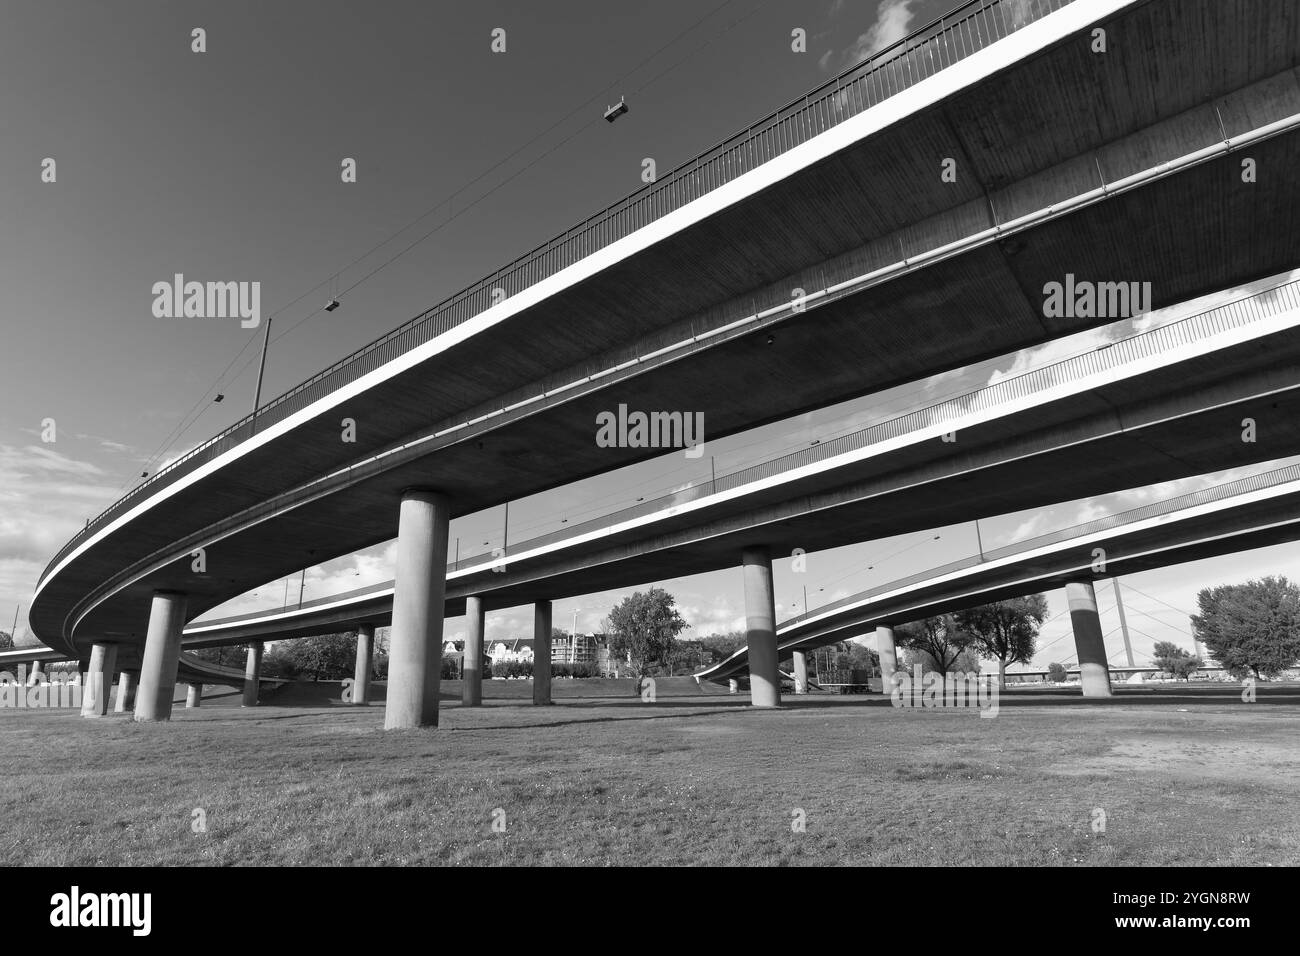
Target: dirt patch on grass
[[1198, 760]]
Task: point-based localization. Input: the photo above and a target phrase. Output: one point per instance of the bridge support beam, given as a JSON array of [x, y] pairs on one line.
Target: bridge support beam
[[415, 652], [1090, 648], [542, 652], [162, 650], [125, 692], [471, 694], [193, 696], [760, 628], [365, 664], [800, 672], [888, 657], [99, 680], [253, 674]]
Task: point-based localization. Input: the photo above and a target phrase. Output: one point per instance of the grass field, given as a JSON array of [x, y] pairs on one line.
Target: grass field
[[1182, 777]]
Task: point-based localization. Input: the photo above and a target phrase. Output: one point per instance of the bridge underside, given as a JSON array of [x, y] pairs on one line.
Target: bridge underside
[[878, 202], [1170, 422], [1257, 525]]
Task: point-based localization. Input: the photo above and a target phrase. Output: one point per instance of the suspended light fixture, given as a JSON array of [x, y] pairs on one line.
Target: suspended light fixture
[[618, 109]]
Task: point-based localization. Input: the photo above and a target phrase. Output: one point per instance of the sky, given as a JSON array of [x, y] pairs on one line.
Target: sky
[[226, 164]]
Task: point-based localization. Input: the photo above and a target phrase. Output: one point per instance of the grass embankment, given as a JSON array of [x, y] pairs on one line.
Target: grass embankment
[[1181, 777]]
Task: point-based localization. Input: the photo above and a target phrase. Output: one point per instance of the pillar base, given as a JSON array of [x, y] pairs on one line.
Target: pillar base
[[365, 664], [542, 653], [1090, 647], [162, 648], [253, 675], [471, 694], [760, 628], [415, 654]]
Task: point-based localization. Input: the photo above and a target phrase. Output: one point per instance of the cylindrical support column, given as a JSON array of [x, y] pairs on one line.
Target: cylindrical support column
[[365, 664], [125, 692], [800, 672], [472, 669], [415, 651], [542, 652], [253, 674], [1090, 648], [194, 696], [760, 628], [99, 680], [888, 657], [162, 648]]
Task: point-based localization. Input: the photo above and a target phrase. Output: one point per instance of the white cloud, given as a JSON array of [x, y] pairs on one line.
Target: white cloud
[[893, 20], [45, 498]]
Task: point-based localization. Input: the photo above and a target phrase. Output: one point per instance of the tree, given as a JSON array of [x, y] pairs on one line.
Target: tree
[[722, 646], [1057, 673], [326, 657], [1006, 631], [1251, 627], [858, 657], [689, 656], [228, 656], [6, 640], [1176, 660], [645, 627], [937, 636]]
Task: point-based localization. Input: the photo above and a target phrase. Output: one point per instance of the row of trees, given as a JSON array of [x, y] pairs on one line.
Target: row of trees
[[1004, 631], [1251, 628]]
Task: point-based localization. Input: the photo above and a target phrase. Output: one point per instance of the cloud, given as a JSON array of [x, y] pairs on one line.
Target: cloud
[[893, 20], [45, 498], [719, 617]]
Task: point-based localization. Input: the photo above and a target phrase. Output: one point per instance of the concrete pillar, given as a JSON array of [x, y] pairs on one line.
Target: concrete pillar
[[125, 692], [733, 686], [365, 664], [162, 648], [760, 628], [415, 651], [542, 652], [888, 657], [99, 680], [253, 675], [194, 696], [1094, 674], [472, 671], [800, 672]]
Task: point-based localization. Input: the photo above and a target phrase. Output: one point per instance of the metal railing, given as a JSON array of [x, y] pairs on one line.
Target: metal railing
[[1241, 486], [971, 27], [1230, 315]]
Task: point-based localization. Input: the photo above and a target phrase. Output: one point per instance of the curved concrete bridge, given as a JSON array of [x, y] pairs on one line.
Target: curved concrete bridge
[[1252, 512], [819, 251], [1171, 395]]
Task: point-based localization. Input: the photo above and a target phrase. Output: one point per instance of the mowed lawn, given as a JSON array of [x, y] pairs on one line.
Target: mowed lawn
[[689, 779]]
